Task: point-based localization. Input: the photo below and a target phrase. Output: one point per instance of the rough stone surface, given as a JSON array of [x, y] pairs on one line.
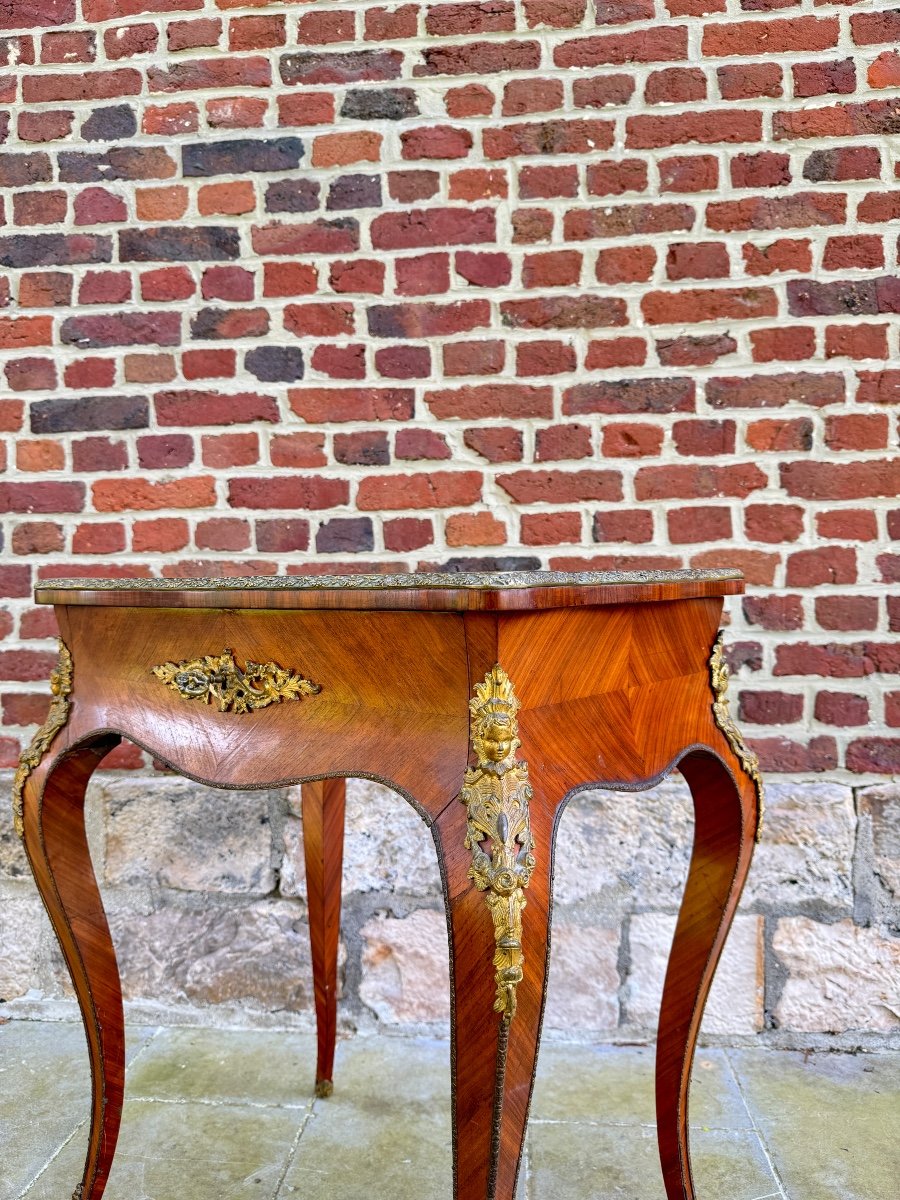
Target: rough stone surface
[[839, 977], [736, 1000], [406, 974], [254, 954], [805, 859], [387, 847], [879, 808], [13, 863], [21, 928], [616, 848], [174, 833], [292, 876], [583, 991]]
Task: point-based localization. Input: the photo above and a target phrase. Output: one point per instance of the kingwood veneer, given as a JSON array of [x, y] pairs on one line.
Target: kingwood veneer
[[432, 685]]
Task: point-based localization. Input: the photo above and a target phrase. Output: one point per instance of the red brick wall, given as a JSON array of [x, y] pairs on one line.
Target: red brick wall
[[301, 286]]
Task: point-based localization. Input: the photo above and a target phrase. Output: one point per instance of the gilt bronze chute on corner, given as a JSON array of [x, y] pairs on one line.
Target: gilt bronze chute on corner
[[496, 793]]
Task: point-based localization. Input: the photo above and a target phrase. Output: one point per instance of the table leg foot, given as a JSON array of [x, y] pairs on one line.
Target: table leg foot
[[323, 803], [725, 821], [58, 851]]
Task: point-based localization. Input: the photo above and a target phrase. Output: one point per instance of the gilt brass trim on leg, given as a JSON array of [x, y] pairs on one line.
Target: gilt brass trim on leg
[[719, 676], [61, 687], [217, 677], [496, 793]]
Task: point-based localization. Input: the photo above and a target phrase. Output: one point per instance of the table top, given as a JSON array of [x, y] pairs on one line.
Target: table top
[[448, 592]]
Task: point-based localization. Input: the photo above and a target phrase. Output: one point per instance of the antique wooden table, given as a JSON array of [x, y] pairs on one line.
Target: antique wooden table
[[432, 684]]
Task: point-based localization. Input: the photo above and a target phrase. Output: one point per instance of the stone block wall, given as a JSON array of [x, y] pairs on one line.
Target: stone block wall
[[322, 284], [205, 891]]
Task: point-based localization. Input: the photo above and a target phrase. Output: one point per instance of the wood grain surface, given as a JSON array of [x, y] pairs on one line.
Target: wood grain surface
[[322, 807]]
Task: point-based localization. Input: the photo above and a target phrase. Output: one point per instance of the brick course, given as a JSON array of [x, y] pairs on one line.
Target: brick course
[[586, 284]]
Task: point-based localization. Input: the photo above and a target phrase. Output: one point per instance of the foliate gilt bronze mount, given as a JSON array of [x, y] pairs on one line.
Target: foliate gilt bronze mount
[[216, 678], [61, 687], [719, 677], [496, 793]]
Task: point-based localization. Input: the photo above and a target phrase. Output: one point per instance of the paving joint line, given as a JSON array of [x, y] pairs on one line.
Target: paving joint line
[[782, 1191], [51, 1160], [292, 1152]]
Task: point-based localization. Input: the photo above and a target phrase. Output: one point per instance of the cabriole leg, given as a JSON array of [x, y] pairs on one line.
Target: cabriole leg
[[725, 811], [323, 803], [58, 851], [493, 1055]]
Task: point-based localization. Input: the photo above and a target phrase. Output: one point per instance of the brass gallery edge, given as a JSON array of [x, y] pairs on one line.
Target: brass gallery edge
[[496, 793], [719, 676], [61, 687], [491, 580], [217, 677]]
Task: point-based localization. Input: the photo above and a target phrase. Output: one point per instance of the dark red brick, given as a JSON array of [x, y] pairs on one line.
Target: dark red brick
[[817, 755], [761, 170], [770, 708], [879, 755], [738, 480], [563, 312], [41, 496], [427, 320], [822, 78], [365, 448], [322, 405], [795, 211], [433, 227], [620, 525], [402, 362], [288, 491], [824, 565], [438, 489], [562, 487], [491, 400], [660, 44], [760, 38], [704, 438], [89, 413], [694, 351], [774, 612], [202, 243], [189, 407], [631, 396], [847, 613], [165, 452], [771, 391], [497, 444], [747, 81], [486, 57], [282, 535], [403, 534], [413, 444]]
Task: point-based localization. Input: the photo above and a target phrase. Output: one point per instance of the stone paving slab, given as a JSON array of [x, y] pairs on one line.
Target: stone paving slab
[[230, 1115], [571, 1161], [831, 1121], [592, 1132], [44, 1081], [614, 1085], [186, 1151], [253, 1067], [387, 1124]]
